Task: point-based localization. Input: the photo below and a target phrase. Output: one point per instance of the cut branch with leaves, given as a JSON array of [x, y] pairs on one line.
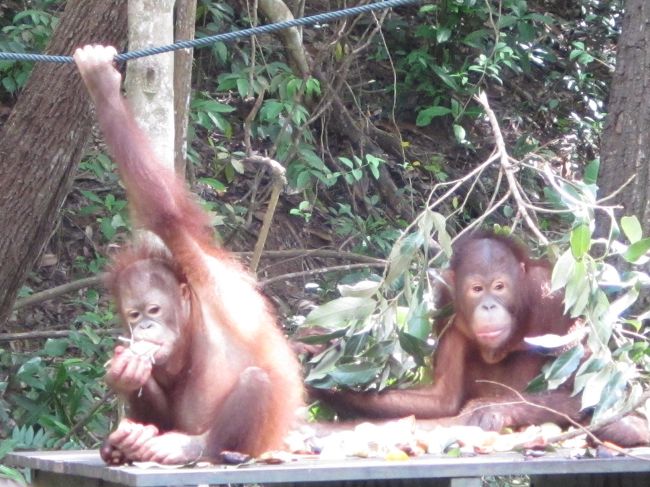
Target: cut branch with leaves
[[379, 330]]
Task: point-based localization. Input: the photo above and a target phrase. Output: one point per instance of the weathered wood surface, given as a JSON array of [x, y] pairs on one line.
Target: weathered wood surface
[[87, 464]]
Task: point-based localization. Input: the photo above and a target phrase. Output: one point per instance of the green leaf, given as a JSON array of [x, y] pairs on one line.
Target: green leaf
[[573, 289], [562, 368], [374, 163], [507, 21], [55, 347], [446, 78], [294, 86], [637, 250], [54, 423], [425, 116], [601, 333], [538, 384], [9, 84], [459, 132], [355, 374], [6, 446], [339, 312], [591, 171], [321, 338], [442, 34], [211, 106], [271, 110], [362, 289], [401, 255], [214, 184], [618, 307], [118, 222], [220, 51], [454, 452], [418, 349], [582, 299], [632, 228], [92, 197], [242, 87], [303, 180], [418, 323], [585, 58], [425, 225], [347, 161], [313, 86], [612, 392], [324, 363], [580, 240], [440, 224], [106, 226], [562, 271], [526, 32], [593, 388], [575, 53]]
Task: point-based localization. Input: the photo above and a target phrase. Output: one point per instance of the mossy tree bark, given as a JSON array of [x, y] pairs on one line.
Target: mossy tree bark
[[44, 139], [625, 150]]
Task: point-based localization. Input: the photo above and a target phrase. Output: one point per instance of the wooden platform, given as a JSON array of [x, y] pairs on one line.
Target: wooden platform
[[85, 468]]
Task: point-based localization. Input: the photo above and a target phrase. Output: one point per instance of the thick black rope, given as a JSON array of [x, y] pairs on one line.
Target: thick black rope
[[225, 37]]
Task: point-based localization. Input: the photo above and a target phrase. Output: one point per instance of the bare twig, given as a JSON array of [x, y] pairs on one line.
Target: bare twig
[[248, 121], [323, 253], [323, 270], [40, 335], [509, 168], [523, 400], [453, 186], [279, 181], [606, 422], [57, 291], [581, 429]]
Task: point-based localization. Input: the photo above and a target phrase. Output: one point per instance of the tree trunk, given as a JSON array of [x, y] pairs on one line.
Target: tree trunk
[[43, 141], [626, 139], [150, 80], [277, 11], [184, 23]]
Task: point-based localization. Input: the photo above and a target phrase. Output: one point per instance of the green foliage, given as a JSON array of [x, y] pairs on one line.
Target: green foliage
[[604, 296], [54, 388], [460, 47], [214, 18], [370, 235], [28, 31], [209, 114], [109, 210], [51, 389], [282, 118], [379, 328], [11, 473]]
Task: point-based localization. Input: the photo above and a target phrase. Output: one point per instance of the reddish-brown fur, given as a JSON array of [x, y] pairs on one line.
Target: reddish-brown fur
[[470, 375], [239, 385]]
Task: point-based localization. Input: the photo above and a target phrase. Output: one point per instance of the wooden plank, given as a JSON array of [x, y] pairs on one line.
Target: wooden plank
[[466, 482], [48, 479], [88, 464], [632, 479]]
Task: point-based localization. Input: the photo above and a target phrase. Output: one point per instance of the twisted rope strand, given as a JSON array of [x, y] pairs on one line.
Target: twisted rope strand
[[224, 37]]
